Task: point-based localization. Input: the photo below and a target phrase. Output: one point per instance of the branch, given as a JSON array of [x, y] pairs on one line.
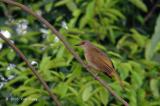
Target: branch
[[35, 72], [149, 15], [67, 45]]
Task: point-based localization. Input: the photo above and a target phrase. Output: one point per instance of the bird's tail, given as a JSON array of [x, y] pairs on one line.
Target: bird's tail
[[117, 77]]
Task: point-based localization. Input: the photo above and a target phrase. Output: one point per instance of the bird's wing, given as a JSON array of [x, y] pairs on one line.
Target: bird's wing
[[106, 65], [104, 62]]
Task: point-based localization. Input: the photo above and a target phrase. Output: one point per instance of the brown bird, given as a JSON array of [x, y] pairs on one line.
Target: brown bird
[[98, 60]]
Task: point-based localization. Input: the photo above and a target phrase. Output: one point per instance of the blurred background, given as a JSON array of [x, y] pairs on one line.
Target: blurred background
[[127, 30]]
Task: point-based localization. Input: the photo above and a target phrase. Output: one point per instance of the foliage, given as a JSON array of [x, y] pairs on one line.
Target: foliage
[[115, 26]]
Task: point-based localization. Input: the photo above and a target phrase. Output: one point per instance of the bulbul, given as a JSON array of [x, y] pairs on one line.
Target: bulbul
[[98, 60]]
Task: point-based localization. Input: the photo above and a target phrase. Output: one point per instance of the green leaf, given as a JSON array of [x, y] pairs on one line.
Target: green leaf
[[141, 97], [16, 79], [71, 6], [132, 97], [74, 91], [31, 92], [47, 63], [114, 54], [150, 49], [58, 63], [25, 91], [88, 15], [60, 52], [140, 39], [76, 70], [104, 96], [136, 79], [30, 99], [90, 10], [61, 89], [48, 7], [116, 13], [125, 71], [87, 93], [155, 87], [11, 55], [62, 2], [139, 4]]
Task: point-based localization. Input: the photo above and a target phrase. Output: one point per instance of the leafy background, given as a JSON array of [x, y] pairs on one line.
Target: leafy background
[[118, 27]]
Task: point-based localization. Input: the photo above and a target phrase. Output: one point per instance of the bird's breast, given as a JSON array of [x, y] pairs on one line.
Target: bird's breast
[[91, 60]]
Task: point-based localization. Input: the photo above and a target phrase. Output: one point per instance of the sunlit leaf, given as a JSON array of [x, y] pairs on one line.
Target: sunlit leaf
[[89, 14], [48, 7], [62, 2], [141, 97], [30, 99], [140, 39], [61, 89], [139, 4], [132, 98], [150, 49], [154, 85], [87, 93], [71, 6], [125, 68], [104, 96]]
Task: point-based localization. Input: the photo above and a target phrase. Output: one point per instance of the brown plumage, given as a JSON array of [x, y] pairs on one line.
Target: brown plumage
[[98, 60]]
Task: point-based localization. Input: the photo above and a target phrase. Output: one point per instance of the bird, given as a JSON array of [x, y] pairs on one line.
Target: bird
[[98, 60]]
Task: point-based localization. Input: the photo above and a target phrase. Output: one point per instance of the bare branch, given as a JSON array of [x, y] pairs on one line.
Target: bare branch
[[68, 46], [149, 15], [35, 72]]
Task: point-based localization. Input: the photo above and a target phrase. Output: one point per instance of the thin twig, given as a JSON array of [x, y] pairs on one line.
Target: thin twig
[[68, 46], [149, 15], [53, 96]]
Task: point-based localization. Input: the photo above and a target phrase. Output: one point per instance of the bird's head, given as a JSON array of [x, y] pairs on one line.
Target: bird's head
[[84, 43]]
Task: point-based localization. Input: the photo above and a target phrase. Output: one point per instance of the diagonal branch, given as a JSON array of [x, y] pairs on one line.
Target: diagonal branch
[[149, 15], [53, 96], [67, 45]]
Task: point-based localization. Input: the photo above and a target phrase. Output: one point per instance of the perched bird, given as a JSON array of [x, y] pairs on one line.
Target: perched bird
[[98, 60]]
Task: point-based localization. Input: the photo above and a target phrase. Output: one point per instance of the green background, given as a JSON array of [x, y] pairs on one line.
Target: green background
[[121, 28]]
